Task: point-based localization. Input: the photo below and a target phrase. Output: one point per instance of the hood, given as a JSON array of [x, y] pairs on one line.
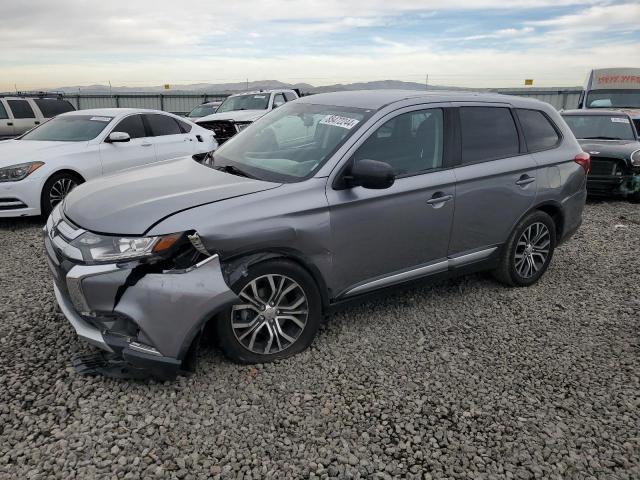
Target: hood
[[21, 151], [235, 115], [132, 201], [609, 148]]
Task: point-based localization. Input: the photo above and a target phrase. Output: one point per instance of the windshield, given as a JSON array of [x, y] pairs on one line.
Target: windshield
[[72, 128], [254, 101], [605, 127], [613, 99], [202, 111], [290, 143]]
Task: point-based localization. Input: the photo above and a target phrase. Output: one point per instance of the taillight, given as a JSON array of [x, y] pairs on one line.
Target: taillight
[[584, 160]]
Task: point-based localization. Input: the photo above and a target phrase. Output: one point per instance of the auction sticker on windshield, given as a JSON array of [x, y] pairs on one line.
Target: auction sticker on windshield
[[619, 120], [101, 119], [339, 121]]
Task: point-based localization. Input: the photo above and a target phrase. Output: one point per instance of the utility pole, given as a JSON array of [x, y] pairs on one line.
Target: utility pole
[[247, 84], [426, 82]]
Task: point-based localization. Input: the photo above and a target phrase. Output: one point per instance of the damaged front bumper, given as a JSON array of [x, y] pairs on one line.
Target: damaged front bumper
[[145, 321]]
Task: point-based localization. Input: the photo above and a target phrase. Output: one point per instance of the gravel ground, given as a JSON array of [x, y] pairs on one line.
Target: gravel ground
[[466, 379]]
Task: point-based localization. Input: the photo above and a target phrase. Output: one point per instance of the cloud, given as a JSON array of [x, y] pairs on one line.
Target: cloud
[[503, 33]]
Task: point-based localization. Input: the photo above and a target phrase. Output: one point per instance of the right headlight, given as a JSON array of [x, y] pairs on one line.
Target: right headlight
[[18, 172], [242, 125], [106, 248], [635, 158]]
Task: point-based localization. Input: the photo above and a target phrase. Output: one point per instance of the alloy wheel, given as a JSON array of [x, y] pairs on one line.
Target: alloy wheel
[[532, 250], [273, 316], [60, 189]]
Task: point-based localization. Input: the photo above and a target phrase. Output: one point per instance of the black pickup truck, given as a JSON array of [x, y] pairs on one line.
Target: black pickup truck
[[611, 139]]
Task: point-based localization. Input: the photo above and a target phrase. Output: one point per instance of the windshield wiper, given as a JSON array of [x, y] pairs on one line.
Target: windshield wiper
[[603, 138], [233, 170]]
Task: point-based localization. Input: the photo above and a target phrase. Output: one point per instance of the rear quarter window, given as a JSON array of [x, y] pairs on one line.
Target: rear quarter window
[[488, 133], [51, 107], [539, 132]]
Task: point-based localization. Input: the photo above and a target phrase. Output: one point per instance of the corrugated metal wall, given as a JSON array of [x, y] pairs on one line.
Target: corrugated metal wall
[[175, 103], [183, 103]]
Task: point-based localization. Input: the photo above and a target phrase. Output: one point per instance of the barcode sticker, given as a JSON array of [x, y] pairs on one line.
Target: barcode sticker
[[619, 120], [101, 119], [339, 121]]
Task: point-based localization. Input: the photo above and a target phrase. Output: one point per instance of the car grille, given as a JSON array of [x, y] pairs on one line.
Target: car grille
[[606, 166], [11, 204], [224, 129]]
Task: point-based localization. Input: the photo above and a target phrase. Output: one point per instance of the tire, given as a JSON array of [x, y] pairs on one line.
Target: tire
[[634, 197], [260, 332], [515, 269], [58, 186]]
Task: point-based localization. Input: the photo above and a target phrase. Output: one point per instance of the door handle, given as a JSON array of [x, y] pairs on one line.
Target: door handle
[[439, 199], [10, 124], [525, 180], [146, 144], [36, 122]]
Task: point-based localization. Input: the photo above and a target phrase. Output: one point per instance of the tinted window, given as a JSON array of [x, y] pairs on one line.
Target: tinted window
[[278, 100], [163, 125], [3, 112], [184, 126], [133, 126], [21, 109], [69, 128], [488, 133], [410, 143], [289, 96], [51, 107], [538, 131]]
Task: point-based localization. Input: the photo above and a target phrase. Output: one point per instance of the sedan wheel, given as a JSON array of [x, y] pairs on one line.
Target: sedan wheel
[[56, 189], [60, 189]]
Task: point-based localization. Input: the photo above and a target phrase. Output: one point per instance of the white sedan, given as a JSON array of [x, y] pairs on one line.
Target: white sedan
[[38, 169]]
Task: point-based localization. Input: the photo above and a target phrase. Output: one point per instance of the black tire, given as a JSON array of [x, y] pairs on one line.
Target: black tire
[[510, 269], [232, 342], [55, 180], [634, 197]]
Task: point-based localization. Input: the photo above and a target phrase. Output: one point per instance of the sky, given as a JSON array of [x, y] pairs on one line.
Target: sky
[[467, 43]]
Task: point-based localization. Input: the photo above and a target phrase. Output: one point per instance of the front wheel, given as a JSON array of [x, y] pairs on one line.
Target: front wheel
[[279, 313], [527, 253], [56, 189]]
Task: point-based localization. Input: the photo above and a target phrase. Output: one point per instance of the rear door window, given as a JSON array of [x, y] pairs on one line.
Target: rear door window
[[132, 125], [50, 107], [278, 100], [3, 112], [289, 96], [538, 131], [162, 125], [21, 109], [488, 133]]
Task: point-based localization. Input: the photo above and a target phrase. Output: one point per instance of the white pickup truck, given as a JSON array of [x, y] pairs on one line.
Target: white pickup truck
[[241, 109]]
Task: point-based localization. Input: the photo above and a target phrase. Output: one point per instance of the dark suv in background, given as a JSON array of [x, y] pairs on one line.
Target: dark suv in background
[[323, 200]]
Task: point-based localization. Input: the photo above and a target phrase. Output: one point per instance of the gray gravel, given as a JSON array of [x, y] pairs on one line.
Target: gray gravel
[[466, 379]]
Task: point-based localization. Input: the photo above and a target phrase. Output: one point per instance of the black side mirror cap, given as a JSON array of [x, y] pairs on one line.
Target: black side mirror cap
[[370, 174]]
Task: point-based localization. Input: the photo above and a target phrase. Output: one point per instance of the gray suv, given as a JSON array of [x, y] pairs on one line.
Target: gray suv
[[326, 199]]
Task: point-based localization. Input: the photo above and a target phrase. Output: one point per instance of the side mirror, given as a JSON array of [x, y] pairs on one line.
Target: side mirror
[[118, 137], [371, 174]]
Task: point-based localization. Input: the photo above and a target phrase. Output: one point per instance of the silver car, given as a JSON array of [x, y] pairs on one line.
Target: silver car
[[324, 200]]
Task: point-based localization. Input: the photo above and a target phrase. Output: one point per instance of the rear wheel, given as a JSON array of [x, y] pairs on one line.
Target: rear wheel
[[56, 189], [279, 315], [527, 253]]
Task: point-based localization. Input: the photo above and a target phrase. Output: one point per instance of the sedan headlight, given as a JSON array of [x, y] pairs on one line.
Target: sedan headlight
[[104, 248], [635, 158], [18, 172]]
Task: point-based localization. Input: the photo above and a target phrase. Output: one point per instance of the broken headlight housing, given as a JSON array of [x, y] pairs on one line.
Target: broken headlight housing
[[106, 248]]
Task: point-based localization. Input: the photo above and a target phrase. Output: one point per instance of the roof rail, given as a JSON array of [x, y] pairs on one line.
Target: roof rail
[[57, 95]]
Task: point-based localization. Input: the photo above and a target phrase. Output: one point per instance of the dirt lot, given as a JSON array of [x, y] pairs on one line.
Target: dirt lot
[[466, 379]]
